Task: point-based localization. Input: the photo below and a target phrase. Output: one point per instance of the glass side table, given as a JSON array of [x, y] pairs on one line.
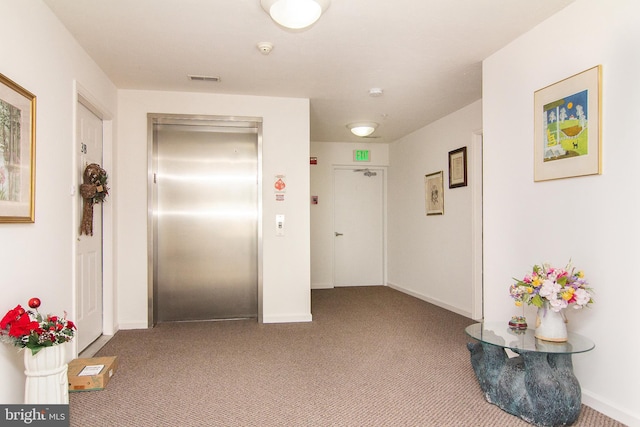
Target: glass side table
[[538, 385]]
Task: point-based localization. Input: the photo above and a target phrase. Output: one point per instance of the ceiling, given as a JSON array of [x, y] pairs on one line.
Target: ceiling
[[426, 55]]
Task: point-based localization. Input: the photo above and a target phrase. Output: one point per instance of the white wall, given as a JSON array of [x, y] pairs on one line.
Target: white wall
[[431, 256], [285, 150], [592, 220], [332, 154], [36, 259], [599, 234]]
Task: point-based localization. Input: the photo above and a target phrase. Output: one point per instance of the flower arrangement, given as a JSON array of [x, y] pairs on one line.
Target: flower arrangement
[[560, 287], [28, 328]]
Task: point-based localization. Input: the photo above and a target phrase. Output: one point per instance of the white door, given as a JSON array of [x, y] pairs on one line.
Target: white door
[[88, 248], [359, 227]]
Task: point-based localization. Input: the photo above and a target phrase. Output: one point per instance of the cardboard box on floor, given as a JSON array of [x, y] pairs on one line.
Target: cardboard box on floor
[[92, 373]]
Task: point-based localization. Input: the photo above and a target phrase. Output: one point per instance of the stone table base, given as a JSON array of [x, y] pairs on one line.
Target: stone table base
[[538, 387]]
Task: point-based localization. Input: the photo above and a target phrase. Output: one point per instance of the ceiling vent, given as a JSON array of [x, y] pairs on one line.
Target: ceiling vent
[[196, 78]]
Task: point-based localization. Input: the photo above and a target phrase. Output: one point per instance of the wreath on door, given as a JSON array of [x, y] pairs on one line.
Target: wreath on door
[[93, 190]]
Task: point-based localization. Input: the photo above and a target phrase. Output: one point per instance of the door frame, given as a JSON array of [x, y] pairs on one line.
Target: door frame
[[353, 168], [477, 246], [152, 167], [84, 97]]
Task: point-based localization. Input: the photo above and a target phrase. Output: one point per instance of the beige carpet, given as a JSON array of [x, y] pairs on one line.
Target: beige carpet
[[371, 357]]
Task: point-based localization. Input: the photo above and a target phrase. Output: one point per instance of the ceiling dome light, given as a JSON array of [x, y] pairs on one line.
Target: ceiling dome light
[[295, 14], [362, 128]]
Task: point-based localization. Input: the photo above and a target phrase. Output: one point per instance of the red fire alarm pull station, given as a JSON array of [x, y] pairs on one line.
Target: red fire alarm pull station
[[314, 200], [313, 160]]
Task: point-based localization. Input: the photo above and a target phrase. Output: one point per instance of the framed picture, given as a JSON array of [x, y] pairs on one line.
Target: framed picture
[[567, 127], [458, 168], [434, 193], [17, 152]]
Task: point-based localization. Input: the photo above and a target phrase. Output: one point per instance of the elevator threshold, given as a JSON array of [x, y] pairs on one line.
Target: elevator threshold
[[209, 320]]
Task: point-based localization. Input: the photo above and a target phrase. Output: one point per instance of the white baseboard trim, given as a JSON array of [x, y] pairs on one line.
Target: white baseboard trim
[[322, 286], [294, 318], [602, 405], [133, 325], [430, 300]]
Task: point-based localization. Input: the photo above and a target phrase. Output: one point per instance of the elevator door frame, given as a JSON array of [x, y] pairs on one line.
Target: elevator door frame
[[224, 123]]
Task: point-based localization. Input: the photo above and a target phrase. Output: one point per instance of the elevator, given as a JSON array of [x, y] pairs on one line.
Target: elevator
[[204, 221]]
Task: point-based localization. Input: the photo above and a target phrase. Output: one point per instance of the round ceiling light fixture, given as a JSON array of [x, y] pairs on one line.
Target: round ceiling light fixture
[[295, 14], [362, 128]]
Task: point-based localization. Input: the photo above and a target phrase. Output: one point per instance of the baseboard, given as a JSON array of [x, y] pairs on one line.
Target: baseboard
[[322, 286], [430, 300], [287, 319], [133, 325], [607, 408]]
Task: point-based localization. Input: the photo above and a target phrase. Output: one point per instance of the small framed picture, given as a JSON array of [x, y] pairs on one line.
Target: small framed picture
[[17, 152], [434, 193], [567, 127], [458, 168]]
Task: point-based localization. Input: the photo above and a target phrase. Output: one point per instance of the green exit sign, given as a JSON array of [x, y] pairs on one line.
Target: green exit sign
[[361, 156]]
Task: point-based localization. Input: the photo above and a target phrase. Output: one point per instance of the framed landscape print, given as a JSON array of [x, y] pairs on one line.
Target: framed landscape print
[[434, 193], [567, 127], [458, 168], [17, 152]]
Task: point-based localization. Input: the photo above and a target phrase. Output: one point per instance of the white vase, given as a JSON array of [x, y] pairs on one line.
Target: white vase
[[551, 325], [46, 376]]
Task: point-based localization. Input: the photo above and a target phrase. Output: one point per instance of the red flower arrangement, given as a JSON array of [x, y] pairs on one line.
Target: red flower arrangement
[[28, 328]]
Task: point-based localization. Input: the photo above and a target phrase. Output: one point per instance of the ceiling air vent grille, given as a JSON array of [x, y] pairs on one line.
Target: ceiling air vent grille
[[197, 78]]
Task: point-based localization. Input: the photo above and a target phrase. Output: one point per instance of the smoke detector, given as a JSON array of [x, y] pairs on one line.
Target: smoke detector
[[265, 47]]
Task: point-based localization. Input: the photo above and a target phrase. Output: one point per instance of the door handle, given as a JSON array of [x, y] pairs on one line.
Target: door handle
[[338, 234]]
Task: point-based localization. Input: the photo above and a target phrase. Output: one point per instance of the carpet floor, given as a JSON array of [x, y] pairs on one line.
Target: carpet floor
[[372, 356]]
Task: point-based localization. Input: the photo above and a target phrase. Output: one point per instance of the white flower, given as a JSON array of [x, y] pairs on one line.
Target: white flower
[[582, 298], [549, 290], [558, 304]]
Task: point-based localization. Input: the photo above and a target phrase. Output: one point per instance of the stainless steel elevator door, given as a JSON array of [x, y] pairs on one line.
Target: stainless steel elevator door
[[207, 223]]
